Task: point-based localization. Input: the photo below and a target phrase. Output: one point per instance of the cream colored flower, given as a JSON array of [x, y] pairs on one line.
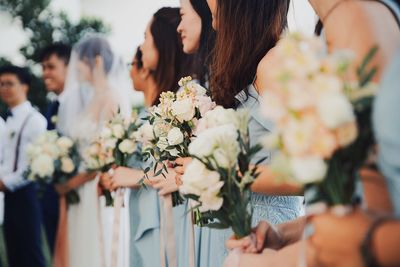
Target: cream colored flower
[[347, 134], [298, 136], [183, 110], [335, 110], [65, 144], [210, 199], [43, 165], [308, 169], [67, 165], [127, 146], [175, 136], [118, 131]]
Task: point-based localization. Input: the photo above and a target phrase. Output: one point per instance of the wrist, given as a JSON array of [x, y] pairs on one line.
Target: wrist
[[370, 246]]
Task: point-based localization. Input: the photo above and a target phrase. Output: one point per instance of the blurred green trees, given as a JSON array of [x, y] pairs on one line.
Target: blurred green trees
[[45, 27]]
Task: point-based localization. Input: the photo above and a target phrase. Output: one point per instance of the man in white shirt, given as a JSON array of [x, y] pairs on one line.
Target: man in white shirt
[[22, 214]]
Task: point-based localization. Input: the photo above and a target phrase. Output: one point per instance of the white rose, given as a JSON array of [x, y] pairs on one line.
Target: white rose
[[110, 143], [308, 170], [146, 133], [43, 165], [335, 110], [67, 165], [118, 131], [106, 133], [33, 150], [175, 137], [127, 146], [64, 143], [51, 149], [94, 149], [184, 109]]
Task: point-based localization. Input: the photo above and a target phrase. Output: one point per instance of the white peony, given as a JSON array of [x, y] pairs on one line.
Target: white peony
[[175, 137], [127, 146], [43, 165], [308, 169], [67, 165], [184, 109], [118, 131], [335, 110]]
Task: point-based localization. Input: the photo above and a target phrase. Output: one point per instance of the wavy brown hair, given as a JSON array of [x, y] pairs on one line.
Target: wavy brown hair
[[246, 31]]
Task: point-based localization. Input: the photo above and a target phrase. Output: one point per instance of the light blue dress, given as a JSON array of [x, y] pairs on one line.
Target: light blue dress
[[145, 236], [274, 209], [386, 121]]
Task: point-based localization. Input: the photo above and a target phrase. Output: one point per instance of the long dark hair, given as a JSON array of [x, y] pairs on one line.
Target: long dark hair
[[207, 40], [246, 31], [172, 63]]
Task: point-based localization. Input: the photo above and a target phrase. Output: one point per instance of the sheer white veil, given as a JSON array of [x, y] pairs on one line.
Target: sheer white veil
[[94, 70]]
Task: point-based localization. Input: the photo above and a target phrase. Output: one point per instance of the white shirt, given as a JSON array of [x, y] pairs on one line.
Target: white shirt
[[35, 125]]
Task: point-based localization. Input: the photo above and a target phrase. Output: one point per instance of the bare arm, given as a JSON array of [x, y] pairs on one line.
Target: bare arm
[[74, 182], [267, 183]]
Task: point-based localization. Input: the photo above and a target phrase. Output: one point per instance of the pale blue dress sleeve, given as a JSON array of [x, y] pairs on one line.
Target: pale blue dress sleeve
[[386, 118], [274, 209]]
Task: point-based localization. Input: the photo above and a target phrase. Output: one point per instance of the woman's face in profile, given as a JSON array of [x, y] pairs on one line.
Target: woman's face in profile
[[150, 53], [189, 28]]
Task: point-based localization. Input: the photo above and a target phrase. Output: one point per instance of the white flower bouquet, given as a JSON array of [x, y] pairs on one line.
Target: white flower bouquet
[[322, 129], [116, 145], [219, 177], [53, 159], [173, 123]]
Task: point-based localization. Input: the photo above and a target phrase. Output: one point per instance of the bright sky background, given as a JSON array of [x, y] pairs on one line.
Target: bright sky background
[[128, 20]]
